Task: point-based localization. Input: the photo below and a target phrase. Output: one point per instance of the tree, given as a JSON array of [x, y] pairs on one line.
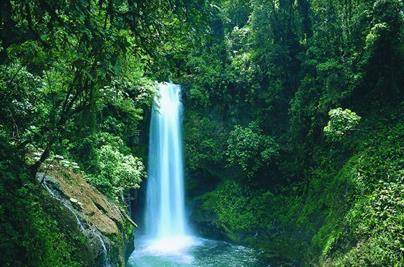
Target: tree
[[89, 45]]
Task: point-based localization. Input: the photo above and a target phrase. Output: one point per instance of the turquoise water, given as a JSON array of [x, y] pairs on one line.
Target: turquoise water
[[200, 253]]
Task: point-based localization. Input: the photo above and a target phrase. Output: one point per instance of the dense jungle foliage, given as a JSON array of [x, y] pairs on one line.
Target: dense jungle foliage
[[293, 120], [294, 116], [73, 89]]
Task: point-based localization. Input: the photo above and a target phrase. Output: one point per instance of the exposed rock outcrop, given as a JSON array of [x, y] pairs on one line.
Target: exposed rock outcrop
[[108, 229]]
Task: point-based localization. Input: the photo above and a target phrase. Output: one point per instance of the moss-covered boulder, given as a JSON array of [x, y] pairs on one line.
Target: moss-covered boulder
[[104, 224]]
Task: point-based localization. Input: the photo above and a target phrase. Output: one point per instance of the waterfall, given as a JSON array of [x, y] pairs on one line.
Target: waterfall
[[167, 241], [165, 218]]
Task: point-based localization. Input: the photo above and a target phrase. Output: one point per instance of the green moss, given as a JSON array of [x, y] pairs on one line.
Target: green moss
[[237, 209], [122, 245], [37, 231], [364, 222], [344, 216]]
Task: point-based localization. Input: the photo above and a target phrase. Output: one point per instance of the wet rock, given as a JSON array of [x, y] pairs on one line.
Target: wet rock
[[103, 219]]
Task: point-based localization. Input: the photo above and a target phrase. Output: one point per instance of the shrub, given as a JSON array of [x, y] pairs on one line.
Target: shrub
[[340, 123], [250, 149]]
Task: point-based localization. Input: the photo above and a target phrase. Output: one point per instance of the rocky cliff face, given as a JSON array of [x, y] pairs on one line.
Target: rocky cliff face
[[107, 228]]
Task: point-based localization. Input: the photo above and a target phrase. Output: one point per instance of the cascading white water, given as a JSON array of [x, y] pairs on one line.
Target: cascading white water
[[165, 219], [167, 241]]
